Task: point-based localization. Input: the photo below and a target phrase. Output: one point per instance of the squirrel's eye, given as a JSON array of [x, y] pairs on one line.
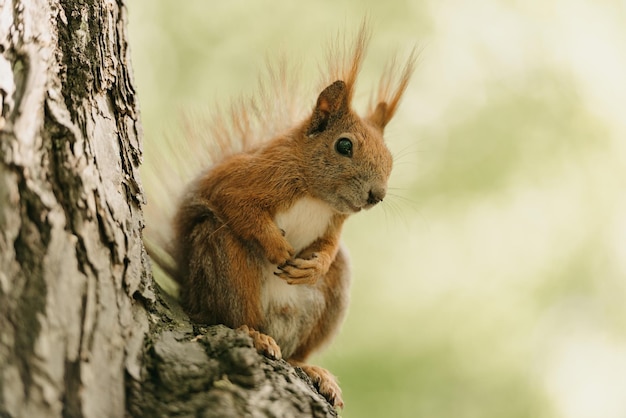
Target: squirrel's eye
[[344, 147]]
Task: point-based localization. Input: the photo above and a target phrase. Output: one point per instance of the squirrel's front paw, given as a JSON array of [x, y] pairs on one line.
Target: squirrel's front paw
[[279, 254], [304, 271], [277, 249]]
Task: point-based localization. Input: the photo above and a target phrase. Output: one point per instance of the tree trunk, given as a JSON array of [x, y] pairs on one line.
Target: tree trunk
[[82, 331]]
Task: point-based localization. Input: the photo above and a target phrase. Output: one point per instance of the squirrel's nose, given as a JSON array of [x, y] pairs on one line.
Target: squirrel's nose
[[376, 195]]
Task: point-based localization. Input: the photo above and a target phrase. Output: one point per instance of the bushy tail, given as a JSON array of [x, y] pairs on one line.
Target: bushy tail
[[203, 138]]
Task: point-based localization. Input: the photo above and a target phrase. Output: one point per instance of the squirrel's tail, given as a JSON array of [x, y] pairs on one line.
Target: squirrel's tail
[[205, 138]]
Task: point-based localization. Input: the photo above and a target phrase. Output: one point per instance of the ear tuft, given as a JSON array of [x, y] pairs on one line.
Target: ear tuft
[[332, 103], [392, 86], [379, 116]]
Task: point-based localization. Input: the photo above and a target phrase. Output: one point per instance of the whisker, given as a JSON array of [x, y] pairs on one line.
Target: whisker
[[412, 151]]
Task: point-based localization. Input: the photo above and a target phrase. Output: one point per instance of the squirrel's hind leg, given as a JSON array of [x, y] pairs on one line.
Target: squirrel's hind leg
[[263, 343], [324, 381]]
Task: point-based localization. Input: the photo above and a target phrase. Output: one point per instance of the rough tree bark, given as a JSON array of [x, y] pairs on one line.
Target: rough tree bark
[[83, 332]]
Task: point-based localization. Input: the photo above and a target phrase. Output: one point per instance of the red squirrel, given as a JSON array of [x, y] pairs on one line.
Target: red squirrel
[[256, 236]]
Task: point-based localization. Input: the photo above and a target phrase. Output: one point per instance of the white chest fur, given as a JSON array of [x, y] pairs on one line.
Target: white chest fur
[[292, 310], [304, 222]]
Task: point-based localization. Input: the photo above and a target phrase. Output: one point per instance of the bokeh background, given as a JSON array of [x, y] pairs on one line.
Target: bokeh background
[[492, 282]]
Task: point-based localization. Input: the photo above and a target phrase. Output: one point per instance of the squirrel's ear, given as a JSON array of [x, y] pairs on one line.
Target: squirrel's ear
[[379, 117], [332, 103], [390, 91]]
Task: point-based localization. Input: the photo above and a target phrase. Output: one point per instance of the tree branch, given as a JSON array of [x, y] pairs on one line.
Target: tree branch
[[214, 372]]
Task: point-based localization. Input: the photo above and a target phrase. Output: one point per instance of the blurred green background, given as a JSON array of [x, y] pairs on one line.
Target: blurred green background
[[492, 283]]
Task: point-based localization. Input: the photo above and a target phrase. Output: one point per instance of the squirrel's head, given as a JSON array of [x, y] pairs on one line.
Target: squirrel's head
[[345, 160], [349, 160]]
